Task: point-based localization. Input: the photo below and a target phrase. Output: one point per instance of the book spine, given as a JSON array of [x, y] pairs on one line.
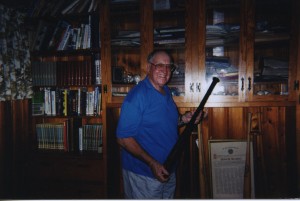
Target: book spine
[[80, 139], [78, 33], [47, 101], [59, 102], [65, 102], [63, 43], [38, 131], [66, 136], [53, 102], [96, 101], [97, 69], [79, 112]]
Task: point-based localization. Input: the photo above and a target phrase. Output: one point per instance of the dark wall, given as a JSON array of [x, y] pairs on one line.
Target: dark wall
[[14, 137]]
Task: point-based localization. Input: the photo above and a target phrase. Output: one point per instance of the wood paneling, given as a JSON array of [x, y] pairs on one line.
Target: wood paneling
[[274, 148], [218, 123]]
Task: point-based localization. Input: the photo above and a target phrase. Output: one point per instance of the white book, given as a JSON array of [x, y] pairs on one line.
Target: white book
[[97, 69], [65, 39], [87, 103], [92, 102], [85, 36], [89, 33], [53, 102], [78, 102], [47, 101], [80, 139], [78, 37]]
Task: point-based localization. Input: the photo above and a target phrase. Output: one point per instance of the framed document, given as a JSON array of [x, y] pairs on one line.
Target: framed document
[[227, 160]]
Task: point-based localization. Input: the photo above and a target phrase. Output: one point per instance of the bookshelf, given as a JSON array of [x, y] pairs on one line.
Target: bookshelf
[[68, 133]]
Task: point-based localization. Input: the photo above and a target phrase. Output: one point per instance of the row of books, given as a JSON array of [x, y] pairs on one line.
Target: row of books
[[52, 136], [66, 102], [56, 136], [90, 138], [54, 8], [66, 73], [66, 34]]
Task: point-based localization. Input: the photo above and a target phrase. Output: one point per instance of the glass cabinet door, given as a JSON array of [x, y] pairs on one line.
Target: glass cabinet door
[[125, 47], [272, 50], [222, 49], [169, 34]]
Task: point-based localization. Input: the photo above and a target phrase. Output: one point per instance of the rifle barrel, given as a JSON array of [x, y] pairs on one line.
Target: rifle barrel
[[183, 138]]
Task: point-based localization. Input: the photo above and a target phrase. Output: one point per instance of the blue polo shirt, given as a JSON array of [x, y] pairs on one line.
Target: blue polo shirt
[[151, 119]]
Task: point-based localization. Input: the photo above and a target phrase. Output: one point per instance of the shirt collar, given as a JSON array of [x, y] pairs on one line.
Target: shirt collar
[[149, 84]]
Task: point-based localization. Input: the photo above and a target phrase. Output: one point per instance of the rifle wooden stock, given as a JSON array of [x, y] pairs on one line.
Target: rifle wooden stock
[[183, 138]]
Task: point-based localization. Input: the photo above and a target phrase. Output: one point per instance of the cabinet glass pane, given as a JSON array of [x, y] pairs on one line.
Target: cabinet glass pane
[[222, 46], [125, 45], [271, 55], [169, 34]]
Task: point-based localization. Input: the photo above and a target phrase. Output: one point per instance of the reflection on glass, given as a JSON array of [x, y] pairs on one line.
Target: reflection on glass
[[271, 55], [222, 49]]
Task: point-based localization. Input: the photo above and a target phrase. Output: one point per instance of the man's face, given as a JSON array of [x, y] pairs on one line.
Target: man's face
[[158, 74]]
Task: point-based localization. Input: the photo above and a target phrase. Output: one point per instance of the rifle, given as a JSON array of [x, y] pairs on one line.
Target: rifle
[[183, 138]]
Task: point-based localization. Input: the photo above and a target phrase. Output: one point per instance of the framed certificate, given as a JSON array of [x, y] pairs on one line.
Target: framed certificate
[[227, 160]]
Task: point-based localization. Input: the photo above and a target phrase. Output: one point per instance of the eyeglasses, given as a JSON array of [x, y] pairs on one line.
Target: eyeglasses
[[159, 66]]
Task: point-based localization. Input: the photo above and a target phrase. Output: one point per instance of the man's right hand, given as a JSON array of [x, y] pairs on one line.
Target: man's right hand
[[159, 171]]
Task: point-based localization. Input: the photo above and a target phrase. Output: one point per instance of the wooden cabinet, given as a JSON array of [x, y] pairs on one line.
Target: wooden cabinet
[[273, 42], [60, 176], [135, 29], [242, 38], [240, 41]]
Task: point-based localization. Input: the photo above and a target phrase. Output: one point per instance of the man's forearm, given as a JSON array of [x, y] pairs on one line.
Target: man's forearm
[[133, 147]]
